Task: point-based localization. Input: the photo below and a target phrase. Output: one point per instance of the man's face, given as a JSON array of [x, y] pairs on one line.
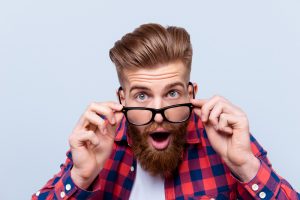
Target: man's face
[[157, 87]]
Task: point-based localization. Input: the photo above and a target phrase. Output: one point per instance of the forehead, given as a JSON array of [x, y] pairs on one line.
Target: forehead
[[157, 76]]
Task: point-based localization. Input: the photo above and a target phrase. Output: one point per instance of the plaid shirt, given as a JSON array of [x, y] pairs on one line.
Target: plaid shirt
[[201, 175]]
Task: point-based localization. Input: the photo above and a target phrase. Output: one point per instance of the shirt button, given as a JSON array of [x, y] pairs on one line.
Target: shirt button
[[132, 168], [262, 195], [37, 193], [68, 187], [62, 194], [255, 187]]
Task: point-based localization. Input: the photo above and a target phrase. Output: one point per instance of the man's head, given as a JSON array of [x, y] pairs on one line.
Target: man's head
[[153, 65]]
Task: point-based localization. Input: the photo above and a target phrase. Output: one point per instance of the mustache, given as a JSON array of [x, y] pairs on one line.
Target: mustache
[[154, 126]]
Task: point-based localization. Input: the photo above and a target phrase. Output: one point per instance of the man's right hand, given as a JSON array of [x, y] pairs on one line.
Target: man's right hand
[[92, 140]]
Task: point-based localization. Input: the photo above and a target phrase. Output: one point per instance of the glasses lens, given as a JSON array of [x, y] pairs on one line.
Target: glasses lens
[[139, 117], [178, 114]]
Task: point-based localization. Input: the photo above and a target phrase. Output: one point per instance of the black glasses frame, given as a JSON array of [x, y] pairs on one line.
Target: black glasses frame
[[155, 111]]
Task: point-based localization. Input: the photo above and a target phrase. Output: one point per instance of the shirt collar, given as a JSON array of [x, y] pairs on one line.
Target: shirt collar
[[194, 130]]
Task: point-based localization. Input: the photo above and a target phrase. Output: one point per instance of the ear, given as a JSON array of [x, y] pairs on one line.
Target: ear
[[193, 89], [121, 95]]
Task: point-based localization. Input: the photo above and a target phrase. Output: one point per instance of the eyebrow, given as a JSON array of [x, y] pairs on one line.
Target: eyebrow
[[138, 87], [175, 84]]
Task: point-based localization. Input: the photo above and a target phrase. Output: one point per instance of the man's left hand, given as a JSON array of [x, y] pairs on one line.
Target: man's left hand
[[227, 129]]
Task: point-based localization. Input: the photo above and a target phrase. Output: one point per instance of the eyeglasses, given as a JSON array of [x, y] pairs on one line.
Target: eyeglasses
[[140, 116]]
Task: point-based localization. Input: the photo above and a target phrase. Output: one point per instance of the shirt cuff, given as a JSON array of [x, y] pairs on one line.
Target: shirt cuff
[[65, 188], [265, 185]]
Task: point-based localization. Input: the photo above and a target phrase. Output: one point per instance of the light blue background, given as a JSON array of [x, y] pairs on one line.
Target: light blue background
[[54, 62]]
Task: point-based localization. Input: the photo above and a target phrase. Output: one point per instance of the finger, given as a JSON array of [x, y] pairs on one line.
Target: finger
[[90, 121], [95, 107], [107, 110], [114, 105], [109, 130], [207, 107], [91, 118], [118, 116], [223, 124], [198, 102], [83, 138], [215, 114], [197, 111]]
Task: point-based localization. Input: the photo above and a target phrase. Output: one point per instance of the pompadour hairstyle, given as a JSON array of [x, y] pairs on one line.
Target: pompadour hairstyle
[[150, 45]]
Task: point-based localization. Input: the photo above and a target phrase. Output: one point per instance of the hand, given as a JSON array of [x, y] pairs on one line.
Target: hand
[[227, 129], [92, 141]]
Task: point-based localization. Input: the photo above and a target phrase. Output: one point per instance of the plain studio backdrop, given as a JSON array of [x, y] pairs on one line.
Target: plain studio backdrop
[[54, 62]]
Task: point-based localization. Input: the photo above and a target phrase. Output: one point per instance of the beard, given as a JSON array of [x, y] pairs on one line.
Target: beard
[[163, 162]]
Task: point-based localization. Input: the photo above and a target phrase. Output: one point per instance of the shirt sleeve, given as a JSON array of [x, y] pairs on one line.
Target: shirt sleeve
[[61, 186], [266, 184]]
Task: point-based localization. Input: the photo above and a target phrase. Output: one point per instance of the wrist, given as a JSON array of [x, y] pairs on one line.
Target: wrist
[[247, 171], [79, 181]]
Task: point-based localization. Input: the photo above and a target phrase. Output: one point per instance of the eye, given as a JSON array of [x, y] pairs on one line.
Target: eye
[[173, 93], [141, 96]]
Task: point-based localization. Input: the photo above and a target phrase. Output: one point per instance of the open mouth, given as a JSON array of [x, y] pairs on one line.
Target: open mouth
[[160, 140]]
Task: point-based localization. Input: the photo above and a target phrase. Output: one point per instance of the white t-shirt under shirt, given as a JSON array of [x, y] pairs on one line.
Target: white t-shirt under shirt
[[146, 186]]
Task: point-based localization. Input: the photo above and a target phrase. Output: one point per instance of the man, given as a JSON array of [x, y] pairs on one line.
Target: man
[[159, 142]]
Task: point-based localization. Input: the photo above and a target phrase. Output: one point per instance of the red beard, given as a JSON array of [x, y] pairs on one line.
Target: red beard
[[163, 162]]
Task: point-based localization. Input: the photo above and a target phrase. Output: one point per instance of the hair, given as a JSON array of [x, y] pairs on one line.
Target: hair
[[150, 45]]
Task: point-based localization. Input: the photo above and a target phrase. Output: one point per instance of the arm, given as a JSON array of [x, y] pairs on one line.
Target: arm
[[227, 129], [91, 144], [266, 184], [62, 186]]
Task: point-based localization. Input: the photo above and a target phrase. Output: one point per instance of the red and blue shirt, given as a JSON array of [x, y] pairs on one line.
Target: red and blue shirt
[[201, 175]]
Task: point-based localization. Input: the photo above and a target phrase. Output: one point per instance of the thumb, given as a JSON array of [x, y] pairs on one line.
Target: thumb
[[198, 102], [197, 111], [111, 128]]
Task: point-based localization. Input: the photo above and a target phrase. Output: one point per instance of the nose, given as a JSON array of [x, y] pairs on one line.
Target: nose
[[158, 118]]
